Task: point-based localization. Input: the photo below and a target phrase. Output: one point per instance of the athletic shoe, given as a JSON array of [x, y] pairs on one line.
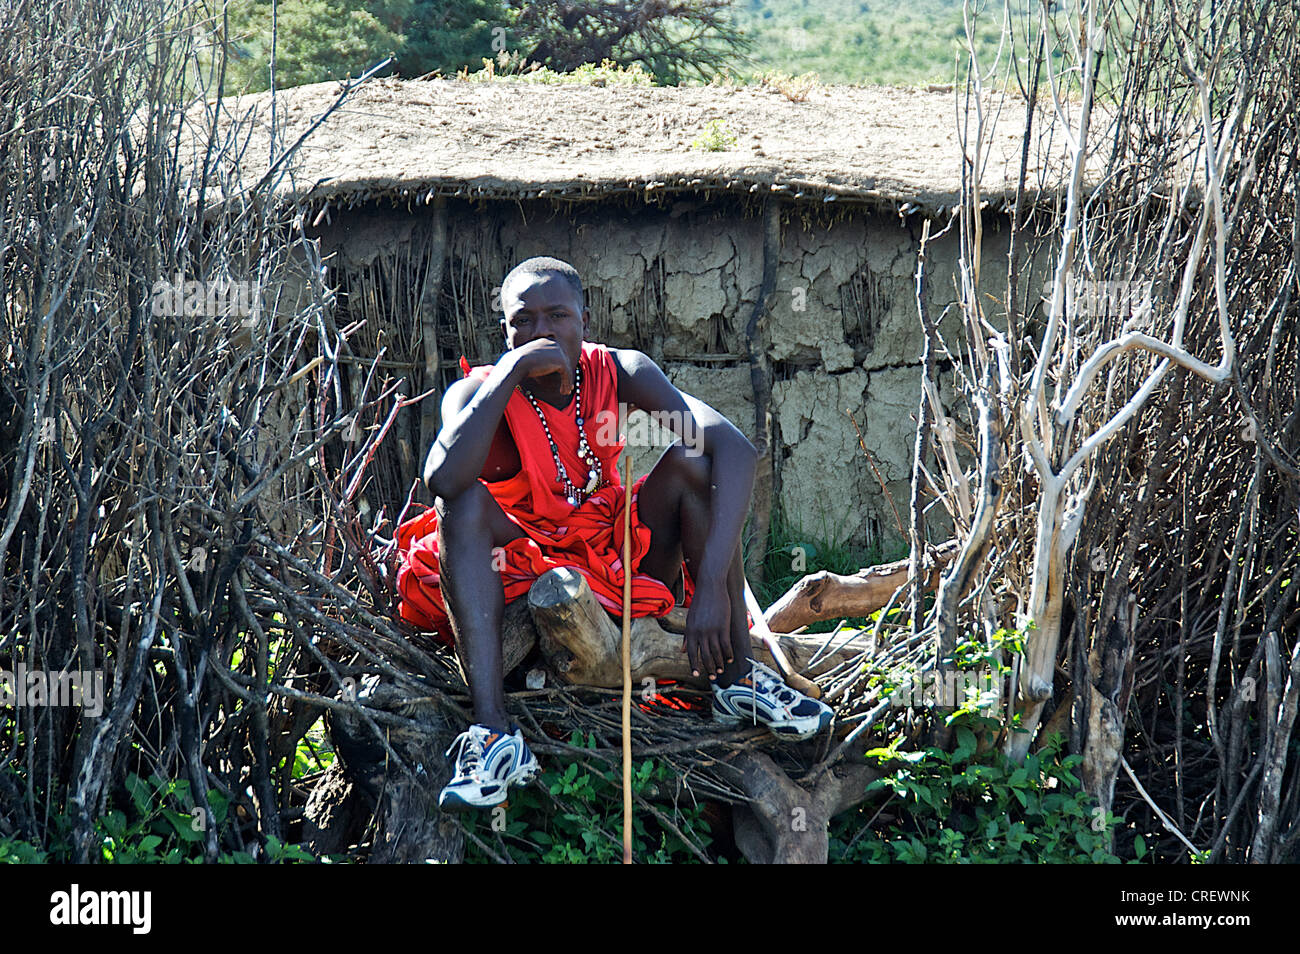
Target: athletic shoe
[[487, 763], [763, 696]]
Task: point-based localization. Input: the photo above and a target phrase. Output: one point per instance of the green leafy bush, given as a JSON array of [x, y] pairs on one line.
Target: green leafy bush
[[16, 852], [966, 807], [716, 137], [156, 828], [574, 814]]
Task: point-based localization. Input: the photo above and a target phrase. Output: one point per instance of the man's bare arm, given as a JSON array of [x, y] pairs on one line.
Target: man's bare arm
[[472, 412], [462, 445]]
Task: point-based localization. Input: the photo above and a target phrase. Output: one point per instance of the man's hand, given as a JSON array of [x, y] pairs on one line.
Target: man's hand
[[707, 641], [541, 357], [472, 411]]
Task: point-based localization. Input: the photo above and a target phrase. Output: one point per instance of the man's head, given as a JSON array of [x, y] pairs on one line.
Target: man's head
[[542, 298]]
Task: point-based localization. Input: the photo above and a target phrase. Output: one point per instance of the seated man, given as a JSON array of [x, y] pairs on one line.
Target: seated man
[[524, 472]]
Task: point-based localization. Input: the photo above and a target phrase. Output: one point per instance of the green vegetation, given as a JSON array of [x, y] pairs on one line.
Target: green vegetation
[[314, 752], [449, 35], [966, 806], [932, 806], [316, 40], [862, 41], [16, 852], [837, 41], [154, 821], [867, 42], [794, 550], [794, 88], [574, 814], [157, 824], [716, 137], [512, 67]]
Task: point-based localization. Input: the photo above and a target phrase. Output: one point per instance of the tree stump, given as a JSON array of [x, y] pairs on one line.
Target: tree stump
[[581, 643], [784, 822], [404, 805]]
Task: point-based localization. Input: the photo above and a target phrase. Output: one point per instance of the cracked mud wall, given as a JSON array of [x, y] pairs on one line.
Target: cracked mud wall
[[679, 281]]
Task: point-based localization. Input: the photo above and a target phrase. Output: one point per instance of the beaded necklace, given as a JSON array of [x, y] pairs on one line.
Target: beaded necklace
[[572, 494]]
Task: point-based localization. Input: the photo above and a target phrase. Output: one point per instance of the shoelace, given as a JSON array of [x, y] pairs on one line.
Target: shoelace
[[758, 676], [469, 746], [771, 685]]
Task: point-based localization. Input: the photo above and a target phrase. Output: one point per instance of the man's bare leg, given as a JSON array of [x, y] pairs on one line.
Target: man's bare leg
[[675, 504], [470, 525]]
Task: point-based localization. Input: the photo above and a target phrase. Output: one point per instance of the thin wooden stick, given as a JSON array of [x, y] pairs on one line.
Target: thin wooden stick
[[1164, 819], [627, 657]]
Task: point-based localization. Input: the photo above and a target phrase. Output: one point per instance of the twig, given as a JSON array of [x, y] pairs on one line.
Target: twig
[[1164, 819]]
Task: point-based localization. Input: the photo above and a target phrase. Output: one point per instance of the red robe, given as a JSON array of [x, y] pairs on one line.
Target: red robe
[[588, 537]]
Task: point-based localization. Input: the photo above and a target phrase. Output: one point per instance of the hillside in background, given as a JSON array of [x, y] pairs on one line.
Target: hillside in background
[[864, 41]]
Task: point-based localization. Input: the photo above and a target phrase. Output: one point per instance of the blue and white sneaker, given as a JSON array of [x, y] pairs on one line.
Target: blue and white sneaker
[[488, 762], [763, 697]]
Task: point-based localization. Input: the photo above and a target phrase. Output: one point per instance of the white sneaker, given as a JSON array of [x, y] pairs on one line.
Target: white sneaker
[[763, 697], [488, 762]]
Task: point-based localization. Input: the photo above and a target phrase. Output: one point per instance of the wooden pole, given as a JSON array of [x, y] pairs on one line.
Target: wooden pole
[[627, 657], [428, 318]]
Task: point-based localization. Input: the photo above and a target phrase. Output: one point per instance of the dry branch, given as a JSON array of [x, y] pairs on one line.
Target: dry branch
[[1149, 489], [824, 595]]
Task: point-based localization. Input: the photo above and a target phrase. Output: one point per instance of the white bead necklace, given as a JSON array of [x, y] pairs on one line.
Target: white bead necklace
[[572, 493]]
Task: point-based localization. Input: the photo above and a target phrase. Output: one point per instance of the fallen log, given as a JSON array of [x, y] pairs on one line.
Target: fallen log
[[823, 595], [581, 643]]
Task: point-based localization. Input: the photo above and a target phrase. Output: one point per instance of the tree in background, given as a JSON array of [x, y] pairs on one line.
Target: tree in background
[[318, 40], [673, 39], [446, 35]]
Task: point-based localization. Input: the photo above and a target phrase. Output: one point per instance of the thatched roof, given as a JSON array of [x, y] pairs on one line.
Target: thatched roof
[[416, 138]]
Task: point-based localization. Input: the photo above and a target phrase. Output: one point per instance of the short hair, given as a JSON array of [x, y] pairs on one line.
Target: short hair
[[544, 265]]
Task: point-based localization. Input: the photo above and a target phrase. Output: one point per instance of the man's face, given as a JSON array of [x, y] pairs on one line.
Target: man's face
[[544, 306]]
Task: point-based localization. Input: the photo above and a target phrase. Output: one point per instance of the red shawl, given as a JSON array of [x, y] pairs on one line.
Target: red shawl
[[588, 537]]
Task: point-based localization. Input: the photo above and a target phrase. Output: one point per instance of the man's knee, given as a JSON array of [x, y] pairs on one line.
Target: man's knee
[[475, 511], [471, 505], [692, 468]]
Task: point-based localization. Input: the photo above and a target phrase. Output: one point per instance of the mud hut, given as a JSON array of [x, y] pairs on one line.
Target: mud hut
[[772, 275]]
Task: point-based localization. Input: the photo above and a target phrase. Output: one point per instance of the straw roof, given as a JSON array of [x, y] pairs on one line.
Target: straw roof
[[510, 139]]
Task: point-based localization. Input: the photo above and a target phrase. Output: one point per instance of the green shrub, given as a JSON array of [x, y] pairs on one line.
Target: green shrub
[[156, 828], [574, 814], [965, 807], [16, 852], [716, 137]]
